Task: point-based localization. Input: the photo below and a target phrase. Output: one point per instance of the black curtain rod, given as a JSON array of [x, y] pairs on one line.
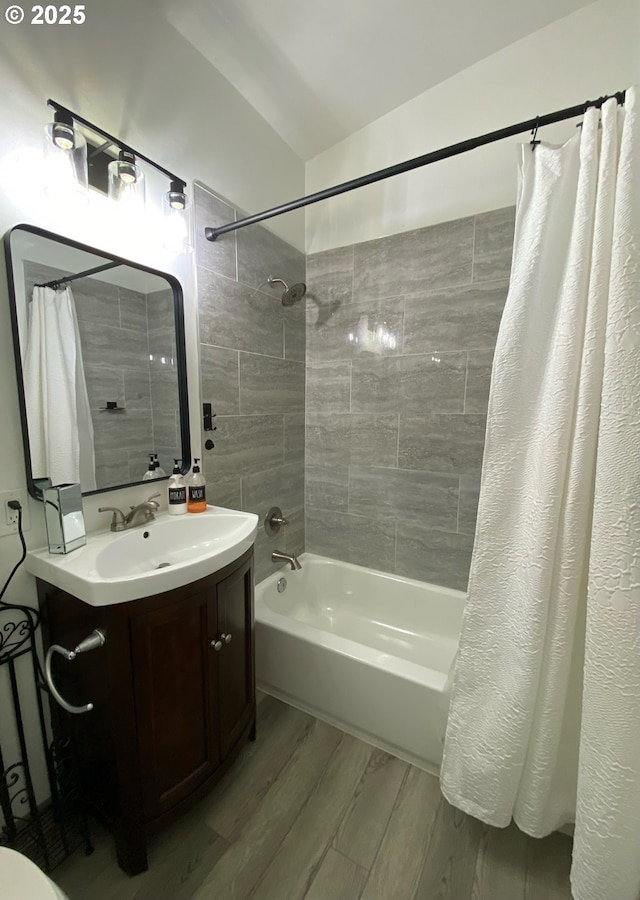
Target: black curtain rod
[[454, 150], [59, 281]]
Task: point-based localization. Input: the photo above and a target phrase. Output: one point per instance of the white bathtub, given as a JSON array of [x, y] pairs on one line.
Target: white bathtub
[[367, 651]]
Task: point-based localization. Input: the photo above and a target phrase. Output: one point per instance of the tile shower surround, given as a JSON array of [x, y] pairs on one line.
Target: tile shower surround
[[394, 441], [252, 368]]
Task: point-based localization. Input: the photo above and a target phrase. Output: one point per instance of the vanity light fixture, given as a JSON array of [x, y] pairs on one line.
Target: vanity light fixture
[[65, 159], [66, 156], [125, 169], [176, 198], [126, 179], [178, 228], [62, 132]]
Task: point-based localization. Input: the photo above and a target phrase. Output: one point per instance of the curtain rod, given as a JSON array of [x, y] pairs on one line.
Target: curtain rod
[[532, 125], [59, 281]]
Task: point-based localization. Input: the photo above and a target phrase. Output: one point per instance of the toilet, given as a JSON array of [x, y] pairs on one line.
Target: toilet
[[20, 879]]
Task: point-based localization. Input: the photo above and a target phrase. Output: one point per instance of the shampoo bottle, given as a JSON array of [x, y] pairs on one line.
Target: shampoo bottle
[[196, 490], [177, 490]]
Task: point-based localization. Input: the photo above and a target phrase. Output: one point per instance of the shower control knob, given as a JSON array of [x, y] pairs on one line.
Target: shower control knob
[[217, 645], [226, 638]]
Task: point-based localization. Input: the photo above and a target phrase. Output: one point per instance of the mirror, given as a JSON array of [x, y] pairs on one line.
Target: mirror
[[101, 364]]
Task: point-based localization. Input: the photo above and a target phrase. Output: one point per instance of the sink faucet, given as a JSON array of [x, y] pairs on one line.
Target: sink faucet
[[138, 515], [291, 558]]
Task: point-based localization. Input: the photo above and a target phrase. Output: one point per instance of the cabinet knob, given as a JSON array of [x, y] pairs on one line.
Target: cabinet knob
[[217, 645], [226, 638]]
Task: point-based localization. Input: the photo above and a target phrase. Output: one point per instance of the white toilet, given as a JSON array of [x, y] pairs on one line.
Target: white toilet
[[20, 879]]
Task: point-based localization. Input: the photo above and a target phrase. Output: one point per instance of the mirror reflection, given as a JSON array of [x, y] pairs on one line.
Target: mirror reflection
[[99, 347]]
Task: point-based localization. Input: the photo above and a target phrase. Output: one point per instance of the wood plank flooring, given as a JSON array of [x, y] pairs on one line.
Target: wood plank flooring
[[310, 813]]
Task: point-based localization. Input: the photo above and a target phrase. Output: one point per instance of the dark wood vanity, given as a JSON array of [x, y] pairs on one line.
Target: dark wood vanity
[[173, 690]]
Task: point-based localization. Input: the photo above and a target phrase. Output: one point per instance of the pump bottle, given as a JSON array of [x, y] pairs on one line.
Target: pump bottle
[[177, 491], [151, 471], [196, 490]]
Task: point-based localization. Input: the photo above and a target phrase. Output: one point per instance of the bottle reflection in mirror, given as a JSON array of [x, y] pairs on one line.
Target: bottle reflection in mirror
[[154, 469]]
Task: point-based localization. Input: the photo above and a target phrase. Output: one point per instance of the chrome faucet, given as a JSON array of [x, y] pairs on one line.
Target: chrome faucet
[[137, 515], [291, 558]]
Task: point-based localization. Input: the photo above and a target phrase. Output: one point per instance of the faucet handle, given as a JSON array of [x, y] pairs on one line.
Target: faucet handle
[[118, 516], [153, 501]]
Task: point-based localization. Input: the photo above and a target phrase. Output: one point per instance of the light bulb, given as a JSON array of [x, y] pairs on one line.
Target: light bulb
[[62, 136], [126, 181], [178, 227], [65, 162]]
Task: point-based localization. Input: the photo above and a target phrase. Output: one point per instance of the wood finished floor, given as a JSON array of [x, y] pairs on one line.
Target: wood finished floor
[[309, 812]]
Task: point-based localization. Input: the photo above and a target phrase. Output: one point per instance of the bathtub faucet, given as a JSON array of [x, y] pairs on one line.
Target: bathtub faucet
[[291, 558]]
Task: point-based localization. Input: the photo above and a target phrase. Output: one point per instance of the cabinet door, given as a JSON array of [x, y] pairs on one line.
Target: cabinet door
[[235, 659], [175, 688]]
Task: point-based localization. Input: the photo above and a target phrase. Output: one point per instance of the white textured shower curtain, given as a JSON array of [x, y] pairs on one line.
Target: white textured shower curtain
[[544, 723], [58, 413]]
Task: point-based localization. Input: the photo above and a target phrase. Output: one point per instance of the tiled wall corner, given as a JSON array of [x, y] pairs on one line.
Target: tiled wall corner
[[252, 364], [400, 339]]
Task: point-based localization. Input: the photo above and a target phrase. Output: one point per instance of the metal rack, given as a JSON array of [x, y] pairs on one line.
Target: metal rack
[[46, 832]]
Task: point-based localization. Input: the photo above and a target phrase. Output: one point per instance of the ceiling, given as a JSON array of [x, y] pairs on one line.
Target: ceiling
[[319, 70]]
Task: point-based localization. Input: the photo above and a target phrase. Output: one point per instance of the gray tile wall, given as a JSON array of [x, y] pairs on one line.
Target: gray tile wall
[[163, 377], [252, 365], [400, 338], [120, 330]]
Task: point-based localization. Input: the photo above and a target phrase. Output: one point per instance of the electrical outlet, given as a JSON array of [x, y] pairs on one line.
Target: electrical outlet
[[12, 514], [8, 516]]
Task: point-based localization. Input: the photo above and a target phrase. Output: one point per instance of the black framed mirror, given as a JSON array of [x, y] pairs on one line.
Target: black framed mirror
[[101, 363]]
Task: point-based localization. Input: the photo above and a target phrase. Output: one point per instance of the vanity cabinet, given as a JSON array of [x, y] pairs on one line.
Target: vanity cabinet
[[173, 690]]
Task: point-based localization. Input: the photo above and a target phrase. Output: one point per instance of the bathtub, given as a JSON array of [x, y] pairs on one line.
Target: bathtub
[[366, 651]]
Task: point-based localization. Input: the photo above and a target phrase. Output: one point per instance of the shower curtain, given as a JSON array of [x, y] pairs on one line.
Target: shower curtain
[[58, 413], [544, 723]]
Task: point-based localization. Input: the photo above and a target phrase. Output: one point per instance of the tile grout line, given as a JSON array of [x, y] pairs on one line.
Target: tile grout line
[[238, 352], [395, 548], [473, 248], [466, 380]]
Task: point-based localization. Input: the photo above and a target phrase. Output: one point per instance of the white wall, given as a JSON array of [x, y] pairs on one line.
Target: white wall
[[592, 52], [131, 73], [128, 71]]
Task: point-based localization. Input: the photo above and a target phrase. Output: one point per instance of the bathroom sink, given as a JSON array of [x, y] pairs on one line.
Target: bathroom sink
[[161, 555]]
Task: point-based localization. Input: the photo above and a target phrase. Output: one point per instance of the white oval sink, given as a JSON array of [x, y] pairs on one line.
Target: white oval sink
[[163, 554]]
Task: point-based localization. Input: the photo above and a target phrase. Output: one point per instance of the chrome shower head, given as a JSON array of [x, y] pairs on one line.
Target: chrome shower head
[[291, 294]]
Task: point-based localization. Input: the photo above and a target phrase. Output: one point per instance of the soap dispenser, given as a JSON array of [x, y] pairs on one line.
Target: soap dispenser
[[151, 471], [177, 489], [160, 472], [196, 490]]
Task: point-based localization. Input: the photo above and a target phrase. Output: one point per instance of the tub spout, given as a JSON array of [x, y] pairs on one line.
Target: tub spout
[[291, 558]]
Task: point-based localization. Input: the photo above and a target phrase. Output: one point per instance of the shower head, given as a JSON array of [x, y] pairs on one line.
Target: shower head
[[291, 294]]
